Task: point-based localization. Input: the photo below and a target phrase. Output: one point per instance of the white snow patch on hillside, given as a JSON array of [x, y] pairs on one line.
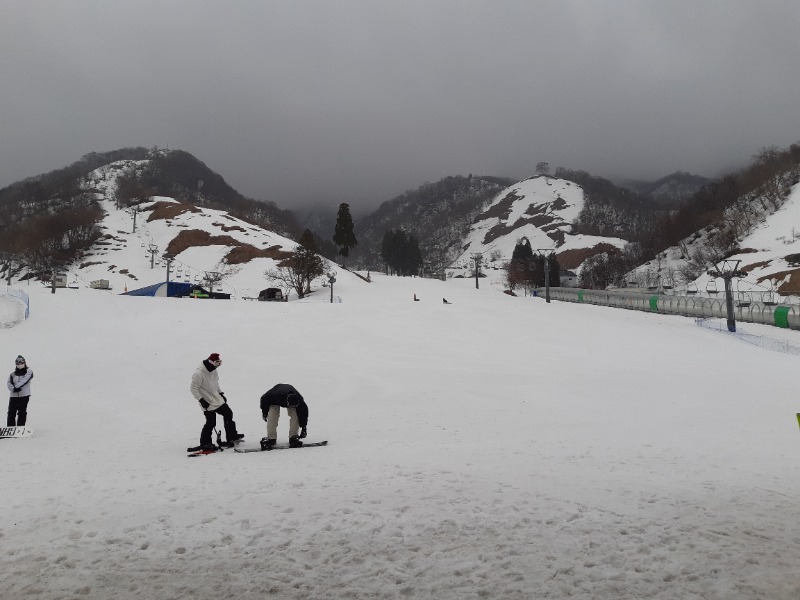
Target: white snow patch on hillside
[[558, 199], [123, 258]]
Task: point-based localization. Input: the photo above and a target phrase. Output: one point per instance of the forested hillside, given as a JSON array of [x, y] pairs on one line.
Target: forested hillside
[[49, 220], [437, 214], [179, 175], [709, 226], [670, 191]]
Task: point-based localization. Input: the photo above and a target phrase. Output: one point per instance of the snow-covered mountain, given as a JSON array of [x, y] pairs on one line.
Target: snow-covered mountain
[[200, 240], [542, 209]]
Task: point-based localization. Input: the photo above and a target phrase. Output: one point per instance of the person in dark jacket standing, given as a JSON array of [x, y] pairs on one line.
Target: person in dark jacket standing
[[285, 396], [19, 384], [205, 389]]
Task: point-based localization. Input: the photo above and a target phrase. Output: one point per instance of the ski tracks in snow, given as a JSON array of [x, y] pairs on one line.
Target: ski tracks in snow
[[410, 534]]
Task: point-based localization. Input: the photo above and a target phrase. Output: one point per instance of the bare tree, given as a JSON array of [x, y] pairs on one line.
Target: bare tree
[[299, 271], [290, 278]]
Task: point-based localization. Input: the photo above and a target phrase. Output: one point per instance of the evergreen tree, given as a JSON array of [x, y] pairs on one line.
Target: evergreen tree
[[528, 269], [522, 265], [400, 252], [387, 249], [523, 250], [343, 235], [411, 256]]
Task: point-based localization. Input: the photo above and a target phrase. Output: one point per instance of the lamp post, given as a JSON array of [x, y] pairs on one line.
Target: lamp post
[[331, 281], [547, 257]]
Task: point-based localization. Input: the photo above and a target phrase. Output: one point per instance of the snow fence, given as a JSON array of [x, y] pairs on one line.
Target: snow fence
[[786, 316]]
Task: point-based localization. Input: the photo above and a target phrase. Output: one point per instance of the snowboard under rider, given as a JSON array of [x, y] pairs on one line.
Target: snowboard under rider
[[205, 389], [19, 384], [285, 396]]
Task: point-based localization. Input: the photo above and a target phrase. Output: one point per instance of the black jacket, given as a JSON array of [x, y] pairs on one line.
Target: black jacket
[[279, 396]]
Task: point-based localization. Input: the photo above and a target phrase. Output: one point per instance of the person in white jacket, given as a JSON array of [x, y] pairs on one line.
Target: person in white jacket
[[205, 389], [19, 384]]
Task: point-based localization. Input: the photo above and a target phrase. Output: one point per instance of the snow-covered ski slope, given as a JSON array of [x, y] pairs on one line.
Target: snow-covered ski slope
[[494, 447], [122, 256]]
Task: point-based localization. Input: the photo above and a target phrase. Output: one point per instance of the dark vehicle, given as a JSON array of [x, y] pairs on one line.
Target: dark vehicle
[[199, 292], [270, 295]]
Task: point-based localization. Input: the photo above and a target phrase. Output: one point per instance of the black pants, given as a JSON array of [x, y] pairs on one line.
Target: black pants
[[17, 411], [211, 422]]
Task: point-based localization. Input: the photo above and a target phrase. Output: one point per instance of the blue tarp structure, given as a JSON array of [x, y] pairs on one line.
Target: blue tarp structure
[[166, 289]]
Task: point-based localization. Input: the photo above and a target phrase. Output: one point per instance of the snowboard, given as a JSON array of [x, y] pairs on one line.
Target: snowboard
[[798, 418], [15, 432], [198, 450], [283, 447]]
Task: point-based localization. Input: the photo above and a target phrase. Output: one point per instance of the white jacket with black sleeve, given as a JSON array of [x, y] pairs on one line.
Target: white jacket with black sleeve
[[205, 385]]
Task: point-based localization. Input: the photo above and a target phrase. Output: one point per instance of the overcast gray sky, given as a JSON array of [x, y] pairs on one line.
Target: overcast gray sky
[[308, 101]]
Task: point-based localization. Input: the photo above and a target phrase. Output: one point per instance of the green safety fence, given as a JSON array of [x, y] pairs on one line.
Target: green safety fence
[[580, 295], [654, 303]]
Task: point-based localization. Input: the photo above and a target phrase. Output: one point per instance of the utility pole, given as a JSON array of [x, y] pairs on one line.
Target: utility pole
[[168, 258], [153, 250], [478, 258], [728, 269], [134, 210], [547, 253]]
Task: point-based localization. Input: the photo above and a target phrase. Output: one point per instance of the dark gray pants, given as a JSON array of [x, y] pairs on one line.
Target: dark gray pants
[[211, 422]]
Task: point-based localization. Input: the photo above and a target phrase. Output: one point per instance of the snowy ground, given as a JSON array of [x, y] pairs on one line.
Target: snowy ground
[[496, 447]]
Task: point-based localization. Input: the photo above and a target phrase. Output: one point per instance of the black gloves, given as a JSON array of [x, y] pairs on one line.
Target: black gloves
[[265, 416], [303, 432], [203, 403], [223, 397], [16, 390]]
